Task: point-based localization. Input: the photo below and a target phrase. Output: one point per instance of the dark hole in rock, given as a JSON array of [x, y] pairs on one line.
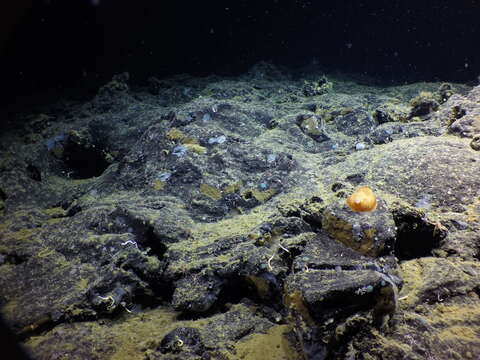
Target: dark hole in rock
[[248, 195], [37, 327], [11, 349], [157, 291], [355, 178], [341, 195], [3, 196], [14, 259], [157, 247], [458, 112], [238, 289], [70, 206], [337, 186], [234, 290], [75, 209], [341, 305], [145, 235], [33, 173], [161, 292], [416, 236], [261, 288], [84, 161]]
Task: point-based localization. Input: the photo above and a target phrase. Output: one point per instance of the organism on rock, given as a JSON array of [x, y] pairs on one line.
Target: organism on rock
[[362, 200]]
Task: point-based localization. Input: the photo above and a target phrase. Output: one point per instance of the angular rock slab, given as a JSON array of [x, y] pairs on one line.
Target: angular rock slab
[[329, 296], [442, 169], [370, 233]]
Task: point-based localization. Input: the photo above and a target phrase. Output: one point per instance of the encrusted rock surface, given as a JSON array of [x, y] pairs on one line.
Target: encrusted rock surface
[[206, 219]]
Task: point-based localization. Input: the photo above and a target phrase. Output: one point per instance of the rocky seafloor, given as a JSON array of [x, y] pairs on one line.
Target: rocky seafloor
[[206, 218]]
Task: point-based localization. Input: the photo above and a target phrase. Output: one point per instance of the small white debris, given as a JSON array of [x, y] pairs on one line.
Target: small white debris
[[360, 146]]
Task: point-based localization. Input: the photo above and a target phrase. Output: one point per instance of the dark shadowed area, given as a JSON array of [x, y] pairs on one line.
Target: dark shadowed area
[[54, 46]]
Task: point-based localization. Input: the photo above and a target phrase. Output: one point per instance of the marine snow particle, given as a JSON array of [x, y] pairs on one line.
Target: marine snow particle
[[271, 158], [263, 186], [179, 150], [360, 146], [217, 140], [362, 200], [164, 176]]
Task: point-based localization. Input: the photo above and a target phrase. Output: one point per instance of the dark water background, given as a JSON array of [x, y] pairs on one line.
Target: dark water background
[[53, 45]]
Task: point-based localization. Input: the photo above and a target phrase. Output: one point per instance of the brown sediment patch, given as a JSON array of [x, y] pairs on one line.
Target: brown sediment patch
[[273, 344]]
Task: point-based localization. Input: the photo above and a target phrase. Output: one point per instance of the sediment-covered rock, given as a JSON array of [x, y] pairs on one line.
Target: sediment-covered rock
[[207, 218]]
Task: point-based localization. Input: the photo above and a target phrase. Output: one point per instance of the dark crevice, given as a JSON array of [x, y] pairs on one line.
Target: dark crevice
[[355, 179], [84, 160], [342, 304], [34, 173], [314, 221], [3, 196], [290, 257], [477, 291], [75, 209], [263, 289], [11, 348], [47, 323], [237, 288], [157, 247], [416, 236], [337, 186], [234, 290], [304, 212], [162, 293], [158, 291], [40, 326], [69, 206], [13, 259], [144, 234]]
